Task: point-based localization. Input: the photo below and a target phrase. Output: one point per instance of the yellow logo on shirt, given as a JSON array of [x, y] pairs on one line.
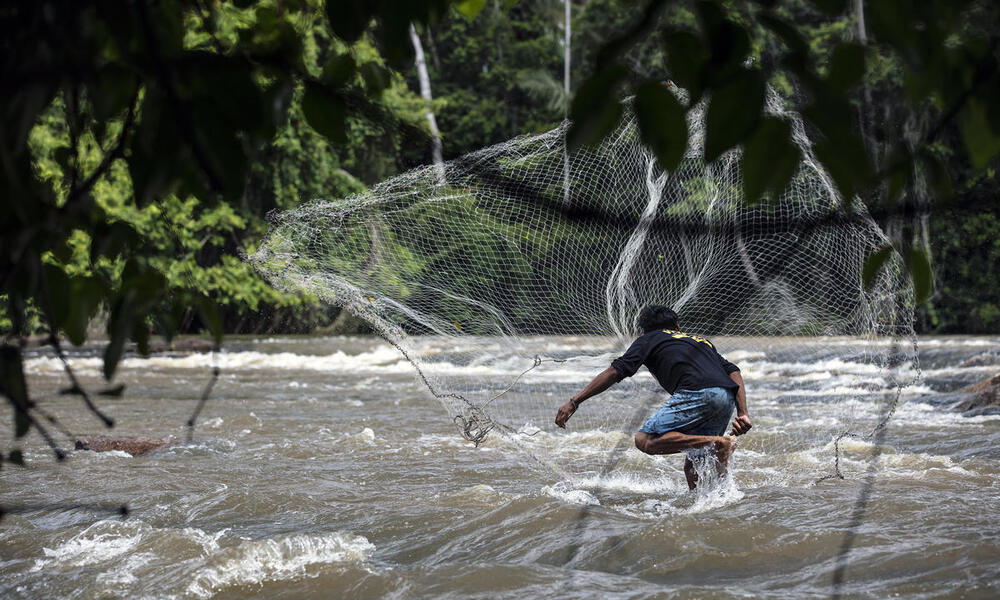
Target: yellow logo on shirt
[[677, 335]]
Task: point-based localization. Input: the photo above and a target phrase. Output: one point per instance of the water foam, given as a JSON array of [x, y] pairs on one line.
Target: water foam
[[101, 542], [254, 562]]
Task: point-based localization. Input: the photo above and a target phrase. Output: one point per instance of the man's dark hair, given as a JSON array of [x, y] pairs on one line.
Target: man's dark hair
[[657, 316]]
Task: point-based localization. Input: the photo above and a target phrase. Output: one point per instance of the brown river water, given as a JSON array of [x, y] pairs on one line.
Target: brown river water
[[322, 468]]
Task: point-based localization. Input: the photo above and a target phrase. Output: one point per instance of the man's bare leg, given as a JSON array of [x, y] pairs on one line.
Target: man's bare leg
[[675, 441], [690, 473]]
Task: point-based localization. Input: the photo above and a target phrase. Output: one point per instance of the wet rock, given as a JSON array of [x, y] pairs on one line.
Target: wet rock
[[986, 359], [980, 398], [134, 445]]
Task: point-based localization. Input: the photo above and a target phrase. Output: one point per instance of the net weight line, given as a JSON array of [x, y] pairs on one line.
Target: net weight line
[[477, 425]]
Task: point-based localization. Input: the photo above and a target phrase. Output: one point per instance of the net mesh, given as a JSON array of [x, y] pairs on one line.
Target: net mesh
[[509, 277]]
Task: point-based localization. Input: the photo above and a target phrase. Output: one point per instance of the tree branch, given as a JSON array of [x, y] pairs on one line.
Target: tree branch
[[118, 150]]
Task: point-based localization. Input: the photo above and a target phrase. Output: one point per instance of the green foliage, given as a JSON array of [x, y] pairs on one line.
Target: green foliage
[[129, 136], [662, 123]]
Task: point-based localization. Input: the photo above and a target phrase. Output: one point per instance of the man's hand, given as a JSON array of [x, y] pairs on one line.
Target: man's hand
[[565, 412], [741, 425]]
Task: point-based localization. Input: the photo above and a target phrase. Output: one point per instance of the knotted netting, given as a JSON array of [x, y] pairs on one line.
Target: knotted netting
[[510, 276]]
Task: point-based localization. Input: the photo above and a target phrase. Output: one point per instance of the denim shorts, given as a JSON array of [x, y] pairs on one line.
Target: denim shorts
[[694, 412]]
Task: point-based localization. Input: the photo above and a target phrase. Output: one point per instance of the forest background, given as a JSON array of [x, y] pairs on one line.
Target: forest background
[[496, 70]]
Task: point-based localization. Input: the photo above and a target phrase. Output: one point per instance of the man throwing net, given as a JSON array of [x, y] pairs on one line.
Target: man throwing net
[[704, 388]]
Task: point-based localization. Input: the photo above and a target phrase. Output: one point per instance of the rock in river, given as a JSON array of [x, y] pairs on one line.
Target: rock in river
[[134, 445], [980, 398]]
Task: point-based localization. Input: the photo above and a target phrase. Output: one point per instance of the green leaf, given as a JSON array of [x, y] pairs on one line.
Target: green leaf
[[470, 9], [847, 66], [338, 70], [377, 78], [797, 44], [873, 264], [832, 7], [13, 385], [62, 155], [937, 175], [920, 271], [686, 59], [21, 424], [349, 18], [888, 20], [662, 123], [901, 175], [59, 296], [211, 317], [119, 325], [839, 147], [140, 335], [769, 160], [733, 112], [86, 299], [596, 110], [324, 112], [981, 142], [729, 43]]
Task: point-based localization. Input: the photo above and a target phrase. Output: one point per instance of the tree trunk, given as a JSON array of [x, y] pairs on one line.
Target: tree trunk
[[425, 91]]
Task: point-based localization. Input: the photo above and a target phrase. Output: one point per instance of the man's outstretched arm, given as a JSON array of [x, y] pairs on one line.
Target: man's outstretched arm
[[603, 381], [741, 424]]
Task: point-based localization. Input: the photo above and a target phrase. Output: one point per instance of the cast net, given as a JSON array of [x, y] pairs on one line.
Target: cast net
[[510, 276]]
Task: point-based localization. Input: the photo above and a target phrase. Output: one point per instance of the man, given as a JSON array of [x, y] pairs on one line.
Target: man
[[704, 389]]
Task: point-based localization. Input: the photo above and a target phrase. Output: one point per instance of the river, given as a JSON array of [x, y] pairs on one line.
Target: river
[[321, 467]]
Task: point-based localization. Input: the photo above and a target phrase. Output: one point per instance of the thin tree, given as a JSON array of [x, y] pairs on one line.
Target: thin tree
[[425, 91], [566, 66]]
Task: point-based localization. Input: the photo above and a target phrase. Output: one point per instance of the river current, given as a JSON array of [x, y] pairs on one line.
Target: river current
[[321, 467]]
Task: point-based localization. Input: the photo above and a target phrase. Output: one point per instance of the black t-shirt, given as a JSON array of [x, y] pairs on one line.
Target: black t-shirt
[[678, 361]]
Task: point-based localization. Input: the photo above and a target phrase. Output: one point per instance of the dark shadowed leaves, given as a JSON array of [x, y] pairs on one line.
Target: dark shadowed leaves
[[376, 77], [888, 20], [920, 271], [798, 49], [769, 160], [981, 141], [13, 385], [686, 58], [596, 108], [73, 300], [208, 310], [728, 42], [119, 328], [349, 18], [847, 66], [662, 123], [733, 112], [832, 7], [899, 175], [338, 70], [874, 263], [839, 147], [937, 175], [324, 111]]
